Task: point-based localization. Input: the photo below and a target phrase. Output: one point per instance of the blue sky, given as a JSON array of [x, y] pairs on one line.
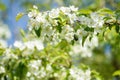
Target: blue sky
[[12, 10]]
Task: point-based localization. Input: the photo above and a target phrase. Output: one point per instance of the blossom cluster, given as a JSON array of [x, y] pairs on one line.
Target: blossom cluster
[[67, 23], [37, 66], [64, 23], [79, 74], [86, 50], [50, 22], [31, 45]]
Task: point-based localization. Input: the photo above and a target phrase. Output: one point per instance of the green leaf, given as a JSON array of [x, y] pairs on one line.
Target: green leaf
[[117, 27], [83, 40], [38, 31], [95, 75], [85, 11], [116, 73], [89, 29], [58, 57], [22, 32], [19, 15], [63, 44], [106, 11], [76, 38], [1, 51], [59, 27], [21, 70]]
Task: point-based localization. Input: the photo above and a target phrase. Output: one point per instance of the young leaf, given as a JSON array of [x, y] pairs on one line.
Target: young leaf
[[19, 15]]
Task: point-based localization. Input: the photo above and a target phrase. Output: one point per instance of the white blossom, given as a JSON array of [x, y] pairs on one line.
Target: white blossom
[[19, 45], [8, 54], [54, 13], [32, 14], [4, 31], [73, 8], [49, 68], [28, 74], [72, 18], [40, 18], [67, 33], [35, 43], [86, 49], [82, 50], [35, 7], [31, 45], [81, 32], [97, 20], [34, 64], [79, 74], [91, 43], [2, 69], [3, 43], [65, 10], [69, 36], [84, 20]]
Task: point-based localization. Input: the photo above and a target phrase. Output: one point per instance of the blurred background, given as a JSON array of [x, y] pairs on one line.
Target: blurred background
[[106, 57]]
